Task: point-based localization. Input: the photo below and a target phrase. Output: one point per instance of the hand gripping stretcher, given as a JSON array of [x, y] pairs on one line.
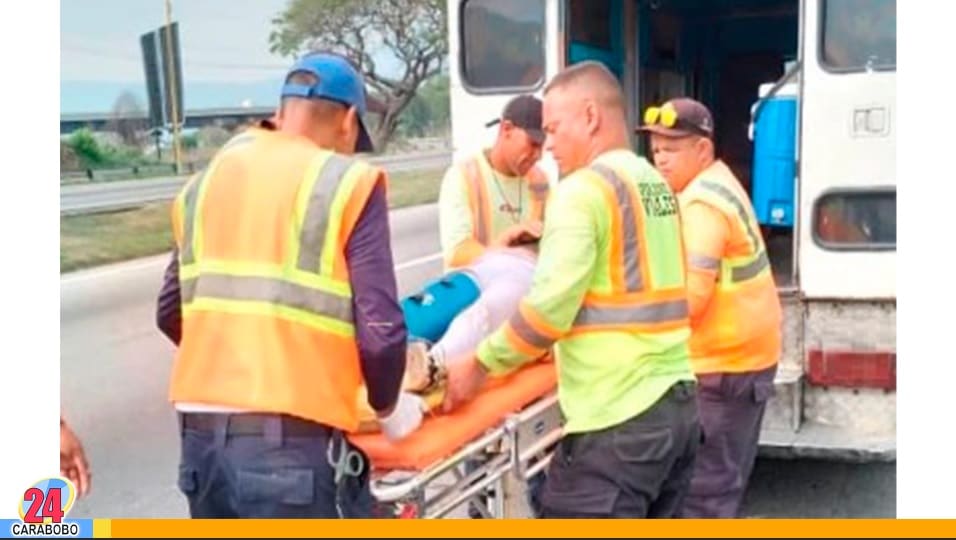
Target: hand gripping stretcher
[[509, 428], [507, 432]]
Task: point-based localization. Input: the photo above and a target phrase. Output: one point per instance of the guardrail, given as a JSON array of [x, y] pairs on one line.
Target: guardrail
[[128, 173], [99, 196], [154, 170]]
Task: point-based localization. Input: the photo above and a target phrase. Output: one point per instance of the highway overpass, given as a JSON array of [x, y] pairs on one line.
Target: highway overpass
[[226, 117]]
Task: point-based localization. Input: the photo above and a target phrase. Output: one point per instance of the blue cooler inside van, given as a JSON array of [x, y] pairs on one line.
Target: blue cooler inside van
[[774, 169]]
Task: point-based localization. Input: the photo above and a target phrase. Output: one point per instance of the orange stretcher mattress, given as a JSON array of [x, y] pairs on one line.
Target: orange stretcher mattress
[[441, 435]]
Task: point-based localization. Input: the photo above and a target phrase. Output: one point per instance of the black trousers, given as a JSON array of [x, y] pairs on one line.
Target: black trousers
[[639, 468], [732, 407], [267, 466]]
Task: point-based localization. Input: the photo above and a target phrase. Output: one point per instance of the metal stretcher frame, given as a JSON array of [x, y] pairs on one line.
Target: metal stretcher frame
[[507, 455]]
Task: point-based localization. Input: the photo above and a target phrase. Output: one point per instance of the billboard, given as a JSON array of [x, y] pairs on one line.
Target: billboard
[[161, 68]]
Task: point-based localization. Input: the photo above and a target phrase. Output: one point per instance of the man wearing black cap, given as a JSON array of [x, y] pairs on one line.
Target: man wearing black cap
[[496, 197], [734, 309]]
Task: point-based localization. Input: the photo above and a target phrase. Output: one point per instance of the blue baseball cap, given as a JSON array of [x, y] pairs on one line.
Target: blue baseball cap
[[338, 81]]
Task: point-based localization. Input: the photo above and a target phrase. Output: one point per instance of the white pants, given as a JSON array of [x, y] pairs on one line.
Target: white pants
[[504, 277]]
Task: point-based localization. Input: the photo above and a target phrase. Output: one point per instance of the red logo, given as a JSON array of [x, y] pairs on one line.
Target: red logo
[[47, 501]]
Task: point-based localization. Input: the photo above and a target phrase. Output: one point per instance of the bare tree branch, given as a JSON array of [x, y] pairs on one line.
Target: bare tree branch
[[413, 32]]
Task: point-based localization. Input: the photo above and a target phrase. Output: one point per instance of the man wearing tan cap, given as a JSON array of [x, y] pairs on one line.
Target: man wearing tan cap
[[734, 308]]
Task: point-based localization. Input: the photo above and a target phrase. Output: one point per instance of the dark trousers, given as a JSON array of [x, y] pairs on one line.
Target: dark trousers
[[731, 412], [639, 468], [267, 466]]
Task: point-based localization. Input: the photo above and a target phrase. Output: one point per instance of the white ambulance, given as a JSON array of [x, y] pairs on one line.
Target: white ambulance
[[804, 96]]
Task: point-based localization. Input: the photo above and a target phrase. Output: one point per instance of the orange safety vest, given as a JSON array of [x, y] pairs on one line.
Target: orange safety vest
[[266, 295], [479, 202], [740, 330]]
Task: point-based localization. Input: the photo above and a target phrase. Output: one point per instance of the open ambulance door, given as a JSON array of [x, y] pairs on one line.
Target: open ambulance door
[[842, 330], [847, 164]]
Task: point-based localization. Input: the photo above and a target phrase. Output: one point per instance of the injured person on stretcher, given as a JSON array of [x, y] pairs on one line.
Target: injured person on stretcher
[[450, 317]]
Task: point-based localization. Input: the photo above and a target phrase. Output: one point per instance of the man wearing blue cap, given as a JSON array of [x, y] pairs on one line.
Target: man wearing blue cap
[[282, 299]]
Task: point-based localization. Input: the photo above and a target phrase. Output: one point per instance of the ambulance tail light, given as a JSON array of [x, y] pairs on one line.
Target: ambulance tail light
[[852, 368]]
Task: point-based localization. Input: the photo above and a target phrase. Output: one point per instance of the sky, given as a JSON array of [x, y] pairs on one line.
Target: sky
[[225, 51]]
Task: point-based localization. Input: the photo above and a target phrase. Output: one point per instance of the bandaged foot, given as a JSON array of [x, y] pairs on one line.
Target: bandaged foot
[[423, 371]]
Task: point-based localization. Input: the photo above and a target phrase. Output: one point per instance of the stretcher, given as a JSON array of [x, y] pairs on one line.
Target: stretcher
[[508, 431]]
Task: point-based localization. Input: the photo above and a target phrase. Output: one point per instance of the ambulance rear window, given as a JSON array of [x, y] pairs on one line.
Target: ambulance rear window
[[856, 220], [856, 35], [502, 44]]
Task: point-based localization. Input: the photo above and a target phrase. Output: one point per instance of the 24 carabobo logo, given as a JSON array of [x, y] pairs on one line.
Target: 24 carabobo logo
[[43, 510], [47, 501]]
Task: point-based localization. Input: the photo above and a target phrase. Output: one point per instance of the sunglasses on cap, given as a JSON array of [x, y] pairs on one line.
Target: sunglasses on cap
[[667, 116]]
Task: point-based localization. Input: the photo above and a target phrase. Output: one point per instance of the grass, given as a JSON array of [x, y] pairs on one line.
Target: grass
[[410, 188], [95, 239]]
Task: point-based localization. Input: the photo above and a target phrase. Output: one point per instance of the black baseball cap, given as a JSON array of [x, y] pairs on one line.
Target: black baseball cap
[[523, 112], [692, 118]]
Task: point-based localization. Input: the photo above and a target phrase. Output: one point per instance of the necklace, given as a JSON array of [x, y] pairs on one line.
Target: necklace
[[508, 207]]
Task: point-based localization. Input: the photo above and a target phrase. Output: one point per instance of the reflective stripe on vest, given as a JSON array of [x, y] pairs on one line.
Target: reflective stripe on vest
[[646, 313], [647, 299], [191, 198], [746, 268], [267, 289], [734, 270], [727, 195], [737, 269], [478, 201], [301, 288], [703, 262], [632, 271], [315, 224], [636, 307], [480, 204], [529, 333], [740, 328]]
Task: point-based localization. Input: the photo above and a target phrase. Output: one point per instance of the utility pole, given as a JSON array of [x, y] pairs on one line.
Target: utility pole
[[173, 84]]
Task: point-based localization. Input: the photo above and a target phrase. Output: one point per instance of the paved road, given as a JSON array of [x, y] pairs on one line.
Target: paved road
[[115, 368], [114, 195]]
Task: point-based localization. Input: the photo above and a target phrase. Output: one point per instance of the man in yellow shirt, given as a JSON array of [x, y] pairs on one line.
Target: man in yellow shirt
[[496, 196], [609, 297], [735, 311]]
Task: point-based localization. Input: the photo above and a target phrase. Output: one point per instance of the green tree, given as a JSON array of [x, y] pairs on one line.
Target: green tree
[[190, 142], [429, 111], [87, 148], [413, 32]]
